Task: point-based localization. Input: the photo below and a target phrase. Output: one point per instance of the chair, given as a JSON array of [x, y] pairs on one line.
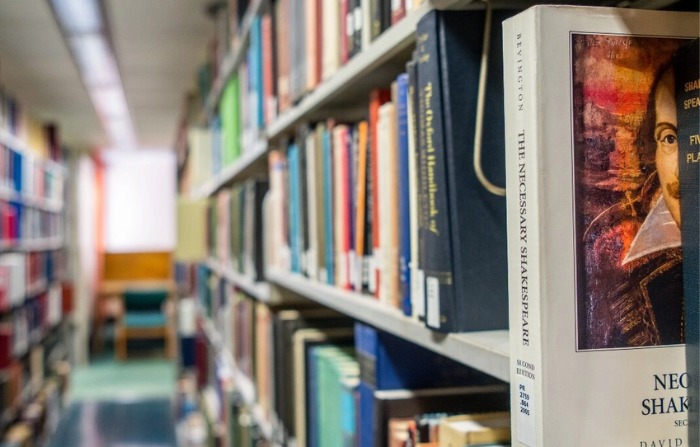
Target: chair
[[145, 316]]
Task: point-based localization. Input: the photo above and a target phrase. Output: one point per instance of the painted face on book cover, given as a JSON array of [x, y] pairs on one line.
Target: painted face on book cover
[[667, 144], [627, 192]]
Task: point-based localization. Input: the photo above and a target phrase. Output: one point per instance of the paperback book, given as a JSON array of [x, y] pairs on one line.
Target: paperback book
[[595, 268]]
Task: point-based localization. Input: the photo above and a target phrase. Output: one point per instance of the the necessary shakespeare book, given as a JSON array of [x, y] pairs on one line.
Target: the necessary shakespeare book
[[595, 267]]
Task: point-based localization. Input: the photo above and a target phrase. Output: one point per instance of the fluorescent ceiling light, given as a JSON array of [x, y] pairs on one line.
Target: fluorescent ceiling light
[[95, 60], [109, 101], [78, 16]]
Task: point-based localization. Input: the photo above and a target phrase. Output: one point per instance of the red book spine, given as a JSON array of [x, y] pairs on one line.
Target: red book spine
[[344, 44], [5, 345], [269, 101], [398, 10], [282, 49]]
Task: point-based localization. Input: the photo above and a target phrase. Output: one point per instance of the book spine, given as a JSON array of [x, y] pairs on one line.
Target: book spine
[[403, 193], [523, 205], [398, 10], [416, 275], [328, 200], [294, 208], [312, 209], [361, 214], [345, 31], [269, 98], [319, 198], [436, 253], [312, 43], [687, 83]]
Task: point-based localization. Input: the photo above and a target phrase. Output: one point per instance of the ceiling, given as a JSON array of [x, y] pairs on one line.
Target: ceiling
[[158, 45]]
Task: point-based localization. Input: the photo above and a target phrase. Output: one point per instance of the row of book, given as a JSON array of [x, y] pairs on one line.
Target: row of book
[[391, 206], [21, 223], [29, 322], [23, 275], [235, 228], [275, 72], [42, 140], [287, 354], [33, 398], [29, 175]]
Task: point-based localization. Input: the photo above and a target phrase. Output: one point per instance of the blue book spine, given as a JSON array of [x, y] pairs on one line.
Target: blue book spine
[[294, 242], [312, 398], [366, 421], [17, 168], [257, 66], [347, 411], [404, 211], [328, 204]]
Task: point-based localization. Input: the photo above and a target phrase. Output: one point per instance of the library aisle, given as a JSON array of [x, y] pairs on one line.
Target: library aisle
[[332, 223], [114, 403]]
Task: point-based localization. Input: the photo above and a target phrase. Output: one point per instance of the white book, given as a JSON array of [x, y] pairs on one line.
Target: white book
[[388, 257], [597, 355], [330, 53]]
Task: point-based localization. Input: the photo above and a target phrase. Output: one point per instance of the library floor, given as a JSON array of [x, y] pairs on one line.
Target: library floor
[[116, 404]]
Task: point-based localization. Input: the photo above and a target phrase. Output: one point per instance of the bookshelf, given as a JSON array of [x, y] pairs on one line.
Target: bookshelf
[[35, 329], [257, 289], [344, 96], [486, 351]]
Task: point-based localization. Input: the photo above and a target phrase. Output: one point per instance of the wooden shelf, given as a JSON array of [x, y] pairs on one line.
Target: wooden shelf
[[258, 290], [486, 351], [232, 172]]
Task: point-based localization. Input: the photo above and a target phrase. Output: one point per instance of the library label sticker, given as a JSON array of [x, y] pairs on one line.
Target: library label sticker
[[525, 380], [432, 286]]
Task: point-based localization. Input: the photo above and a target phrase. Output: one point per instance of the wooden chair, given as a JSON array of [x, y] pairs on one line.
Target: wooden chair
[[145, 316]]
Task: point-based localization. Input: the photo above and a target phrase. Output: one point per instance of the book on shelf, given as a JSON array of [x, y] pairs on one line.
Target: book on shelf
[[334, 377], [303, 341], [388, 362], [191, 230], [462, 246], [595, 280], [281, 50], [405, 403], [475, 430], [685, 72], [285, 323]]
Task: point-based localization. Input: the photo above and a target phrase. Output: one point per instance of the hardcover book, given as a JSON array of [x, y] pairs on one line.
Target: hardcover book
[[686, 73], [462, 245], [595, 281]]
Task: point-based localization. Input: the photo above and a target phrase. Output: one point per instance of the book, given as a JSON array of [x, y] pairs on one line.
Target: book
[[685, 71], [388, 362], [404, 403], [284, 324], [597, 357], [387, 259], [376, 99], [461, 267], [475, 429], [303, 341]]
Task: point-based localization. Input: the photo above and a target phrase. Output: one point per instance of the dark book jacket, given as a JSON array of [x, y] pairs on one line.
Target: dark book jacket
[[462, 214], [686, 71]]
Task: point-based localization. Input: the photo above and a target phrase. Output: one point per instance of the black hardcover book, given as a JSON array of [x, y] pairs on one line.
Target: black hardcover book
[[473, 295], [434, 226], [686, 71], [260, 188]]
